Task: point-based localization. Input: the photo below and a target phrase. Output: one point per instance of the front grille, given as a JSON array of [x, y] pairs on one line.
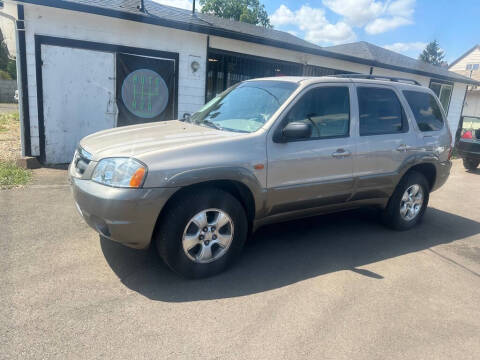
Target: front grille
[[81, 160]]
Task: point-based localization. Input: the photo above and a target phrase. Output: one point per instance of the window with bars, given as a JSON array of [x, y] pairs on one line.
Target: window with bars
[[226, 69]]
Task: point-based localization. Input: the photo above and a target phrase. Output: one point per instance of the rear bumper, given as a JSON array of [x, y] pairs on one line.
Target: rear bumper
[[127, 216], [469, 149], [469, 154], [443, 172]]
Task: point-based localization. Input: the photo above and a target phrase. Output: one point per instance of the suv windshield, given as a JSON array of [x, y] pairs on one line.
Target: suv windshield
[[245, 107]]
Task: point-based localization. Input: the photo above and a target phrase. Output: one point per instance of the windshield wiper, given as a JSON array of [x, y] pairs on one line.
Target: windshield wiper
[[211, 124]]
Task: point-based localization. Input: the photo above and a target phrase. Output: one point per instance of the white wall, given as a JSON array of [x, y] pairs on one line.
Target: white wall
[[456, 104], [472, 103], [74, 25]]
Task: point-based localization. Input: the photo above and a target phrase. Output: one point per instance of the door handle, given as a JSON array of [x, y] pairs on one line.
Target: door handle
[[340, 153], [403, 148]]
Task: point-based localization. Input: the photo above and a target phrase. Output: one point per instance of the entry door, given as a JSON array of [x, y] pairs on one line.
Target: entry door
[[316, 171], [78, 98]]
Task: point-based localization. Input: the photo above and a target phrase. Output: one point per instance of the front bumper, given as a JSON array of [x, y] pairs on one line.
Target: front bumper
[[124, 215]]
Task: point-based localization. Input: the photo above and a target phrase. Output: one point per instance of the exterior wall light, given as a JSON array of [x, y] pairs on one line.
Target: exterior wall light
[[195, 65]]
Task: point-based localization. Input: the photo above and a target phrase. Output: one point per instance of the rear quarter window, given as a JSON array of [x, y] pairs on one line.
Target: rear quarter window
[[425, 109]]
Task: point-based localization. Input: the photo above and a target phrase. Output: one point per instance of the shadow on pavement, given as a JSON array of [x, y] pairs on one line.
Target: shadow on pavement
[[476, 171], [282, 254]]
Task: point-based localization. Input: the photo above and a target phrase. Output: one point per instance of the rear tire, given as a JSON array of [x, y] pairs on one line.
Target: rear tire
[[470, 164], [408, 203], [187, 248]]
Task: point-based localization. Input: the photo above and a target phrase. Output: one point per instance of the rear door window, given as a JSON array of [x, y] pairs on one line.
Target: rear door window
[[380, 112], [425, 109]]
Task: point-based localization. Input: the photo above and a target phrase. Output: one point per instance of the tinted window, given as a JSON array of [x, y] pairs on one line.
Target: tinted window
[[327, 109], [471, 128], [425, 109], [380, 112]]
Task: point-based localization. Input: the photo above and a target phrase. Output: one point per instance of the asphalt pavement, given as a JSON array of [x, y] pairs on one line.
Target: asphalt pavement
[[331, 287]]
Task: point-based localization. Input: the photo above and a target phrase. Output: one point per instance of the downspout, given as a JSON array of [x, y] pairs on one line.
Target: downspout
[[141, 7]]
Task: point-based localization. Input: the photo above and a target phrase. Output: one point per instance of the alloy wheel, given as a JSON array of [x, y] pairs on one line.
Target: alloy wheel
[[207, 236]]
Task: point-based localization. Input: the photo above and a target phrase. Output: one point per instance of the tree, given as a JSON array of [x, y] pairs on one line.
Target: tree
[[8, 67], [432, 54], [249, 11]]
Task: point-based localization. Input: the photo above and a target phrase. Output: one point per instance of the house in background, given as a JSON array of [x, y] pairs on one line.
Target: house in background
[[469, 65], [89, 65]]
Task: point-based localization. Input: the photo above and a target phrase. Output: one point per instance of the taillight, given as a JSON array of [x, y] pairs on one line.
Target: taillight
[[467, 135]]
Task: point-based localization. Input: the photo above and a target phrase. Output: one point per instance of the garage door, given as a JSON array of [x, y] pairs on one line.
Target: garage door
[[78, 98]]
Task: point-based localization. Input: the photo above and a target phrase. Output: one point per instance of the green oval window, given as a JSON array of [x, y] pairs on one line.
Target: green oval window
[[145, 93]]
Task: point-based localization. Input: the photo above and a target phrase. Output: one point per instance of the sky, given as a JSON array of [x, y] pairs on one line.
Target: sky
[[404, 26]]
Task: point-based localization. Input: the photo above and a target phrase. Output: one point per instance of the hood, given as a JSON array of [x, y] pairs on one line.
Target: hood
[[132, 141]]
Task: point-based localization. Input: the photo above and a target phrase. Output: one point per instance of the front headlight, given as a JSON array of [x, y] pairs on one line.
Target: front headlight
[[120, 172]]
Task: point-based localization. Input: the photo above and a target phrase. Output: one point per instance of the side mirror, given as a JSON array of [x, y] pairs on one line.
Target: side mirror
[[186, 116], [296, 131]]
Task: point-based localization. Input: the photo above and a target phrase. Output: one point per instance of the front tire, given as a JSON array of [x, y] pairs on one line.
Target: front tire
[[408, 203], [202, 232], [470, 164]]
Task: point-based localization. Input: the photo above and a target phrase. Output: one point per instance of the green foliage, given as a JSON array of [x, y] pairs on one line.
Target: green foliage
[[7, 65], [5, 75], [8, 120], [12, 175], [432, 54], [249, 11], [12, 68]]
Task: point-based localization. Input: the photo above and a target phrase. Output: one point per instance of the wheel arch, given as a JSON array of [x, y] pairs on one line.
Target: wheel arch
[[234, 187], [427, 169]]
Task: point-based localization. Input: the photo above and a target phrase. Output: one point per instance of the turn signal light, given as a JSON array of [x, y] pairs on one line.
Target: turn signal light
[[137, 178]]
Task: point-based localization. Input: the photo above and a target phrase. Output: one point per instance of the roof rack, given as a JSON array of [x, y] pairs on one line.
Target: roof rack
[[377, 77]]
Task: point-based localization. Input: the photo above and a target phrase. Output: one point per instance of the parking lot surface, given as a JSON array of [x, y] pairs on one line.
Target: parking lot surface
[[331, 287]]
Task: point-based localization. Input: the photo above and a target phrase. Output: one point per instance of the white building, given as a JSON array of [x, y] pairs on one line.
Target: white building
[[469, 65], [87, 65]]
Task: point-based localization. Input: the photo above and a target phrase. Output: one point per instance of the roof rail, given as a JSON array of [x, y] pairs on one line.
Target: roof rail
[[377, 77]]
